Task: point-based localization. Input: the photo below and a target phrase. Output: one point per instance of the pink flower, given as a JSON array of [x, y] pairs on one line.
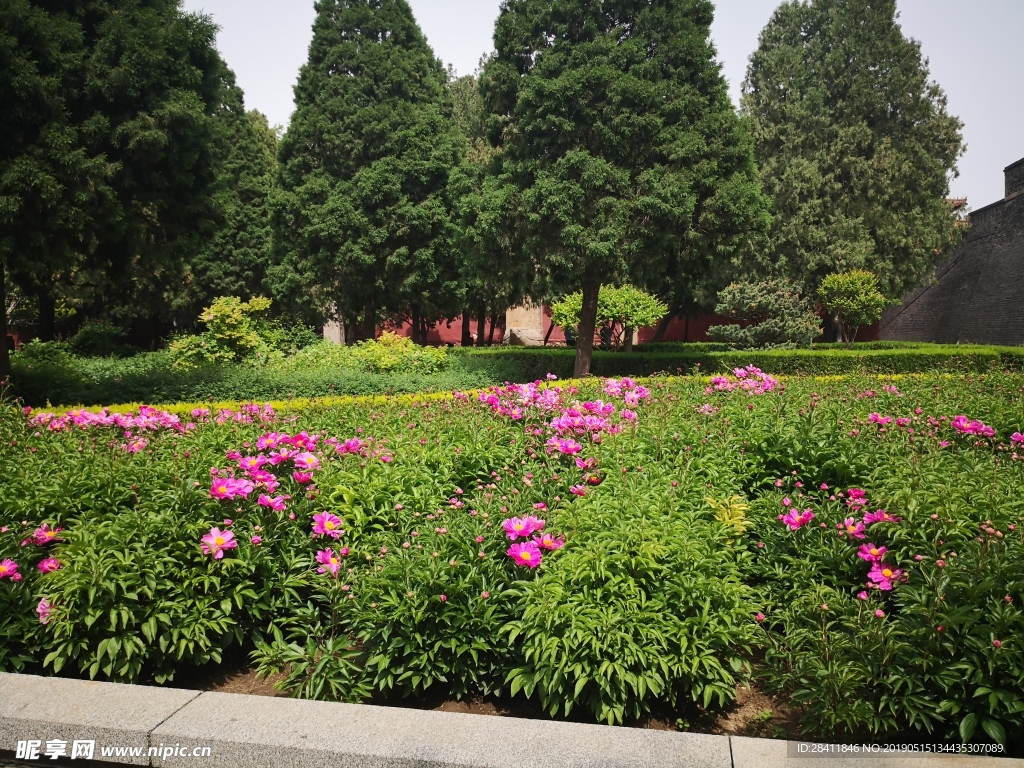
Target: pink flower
[[135, 446], [525, 527], [252, 462], [549, 541], [306, 462], [853, 528], [326, 524], [796, 520], [876, 418], [971, 427], [759, 617], [884, 576], [9, 570], [540, 505], [44, 609], [526, 553], [276, 503], [564, 446], [329, 562], [578, 490], [231, 488], [880, 516], [302, 478], [44, 535], [49, 565], [855, 497], [871, 553], [217, 541], [879, 614], [862, 595], [1017, 437], [256, 540]]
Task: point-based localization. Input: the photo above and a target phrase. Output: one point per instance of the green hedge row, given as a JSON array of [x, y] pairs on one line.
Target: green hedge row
[[150, 377]]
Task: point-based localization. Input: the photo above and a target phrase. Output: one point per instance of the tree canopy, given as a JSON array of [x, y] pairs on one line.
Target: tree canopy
[[368, 170], [616, 127], [854, 142]]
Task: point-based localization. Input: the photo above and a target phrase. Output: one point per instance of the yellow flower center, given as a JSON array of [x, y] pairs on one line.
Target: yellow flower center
[[887, 573], [334, 561], [222, 489], [851, 528], [219, 541], [3, 569], [526, 555], [874, 551], [329, 525]]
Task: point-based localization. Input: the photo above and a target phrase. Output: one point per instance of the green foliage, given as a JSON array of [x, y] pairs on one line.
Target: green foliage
[[775, 314], [625, 157], [231, 333], [390, 353], [625, 305], [100, 339], [368, 171], [853, 297], [854, 142]]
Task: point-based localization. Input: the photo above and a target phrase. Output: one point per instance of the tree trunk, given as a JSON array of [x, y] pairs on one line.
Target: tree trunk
[[481, 324], [5, 360], [467, 329], [659, 334], [627, 343], [588, 319], [415, 321], [47, 327], [494, 322]]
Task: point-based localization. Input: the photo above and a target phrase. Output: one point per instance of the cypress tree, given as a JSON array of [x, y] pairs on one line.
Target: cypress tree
[[854, 143], [368, 172], [616, 126]]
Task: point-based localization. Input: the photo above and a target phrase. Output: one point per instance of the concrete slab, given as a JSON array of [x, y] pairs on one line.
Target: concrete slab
[[254, 732], [51, 708], [766, 753]]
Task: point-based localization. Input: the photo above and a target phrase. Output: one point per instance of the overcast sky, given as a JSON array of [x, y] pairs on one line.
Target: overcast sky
[[970, 47]]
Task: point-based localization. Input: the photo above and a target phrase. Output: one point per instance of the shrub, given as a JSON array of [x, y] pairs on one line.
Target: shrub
[[100, 339], [231, 334], [774, 313], [854, 299], [626, 306], [390, 353]]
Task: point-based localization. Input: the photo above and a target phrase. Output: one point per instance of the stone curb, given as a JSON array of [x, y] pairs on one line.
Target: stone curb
[[259, 732]]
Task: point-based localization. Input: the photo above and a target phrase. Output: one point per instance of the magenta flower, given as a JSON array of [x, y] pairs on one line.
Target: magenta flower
[[578, 490], [329, 562], [526, 526], [855, 497], [9, 570], [44, 609], [216, 542], [796, 520], [270, 441], [971, 427], [880, 516], [302, 478], [853, 528], [759, 617], [326, 524], [256, 540], [306, 462], [276, 503], [252, 462], [871, 553], [884, 576], [1017, 437], [44, 535], [231, 488], [880, 420], [549, 541], [526, 553], [48, 565], [862, 595]]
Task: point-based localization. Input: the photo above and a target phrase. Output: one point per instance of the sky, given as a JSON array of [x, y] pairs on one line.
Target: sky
[[970, 48]]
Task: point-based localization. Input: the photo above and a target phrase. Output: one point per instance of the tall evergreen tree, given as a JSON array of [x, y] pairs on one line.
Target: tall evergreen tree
[[854, 143], [106, 159], [368, 170], [235, 259], [616, 126]]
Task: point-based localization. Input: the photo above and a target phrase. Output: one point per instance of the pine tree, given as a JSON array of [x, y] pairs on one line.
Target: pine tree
[[854, 143], [616, 126], [369, 169], [106, 163]]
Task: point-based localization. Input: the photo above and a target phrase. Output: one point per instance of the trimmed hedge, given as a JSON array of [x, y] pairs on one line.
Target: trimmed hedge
[[150, 378]]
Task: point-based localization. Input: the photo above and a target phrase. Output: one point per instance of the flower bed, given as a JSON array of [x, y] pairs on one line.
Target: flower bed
[[604, 547]]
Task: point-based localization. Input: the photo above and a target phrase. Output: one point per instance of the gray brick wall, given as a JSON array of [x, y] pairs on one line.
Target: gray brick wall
[[977, 296], [1014, 176]]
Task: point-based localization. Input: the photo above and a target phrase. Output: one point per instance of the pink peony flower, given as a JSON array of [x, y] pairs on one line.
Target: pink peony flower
[[44, 609], [1017, 437], [329, 562], [876, 418], [306, 462], [49, 565], [549, 541], [231, 488], [302, 478], [276, 503], [326, 524], [884, 576], [871, 553], [971, 427], [44, 535], [862, 595], [853, 528], [578, 490], [525, 527], [252, 462], [256, 540], [796, 520], [216, 542], [880, 516], [759, 617], [526, 553], [9, 570]]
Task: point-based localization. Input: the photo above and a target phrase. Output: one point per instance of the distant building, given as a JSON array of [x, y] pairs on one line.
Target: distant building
[[977, 295]]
